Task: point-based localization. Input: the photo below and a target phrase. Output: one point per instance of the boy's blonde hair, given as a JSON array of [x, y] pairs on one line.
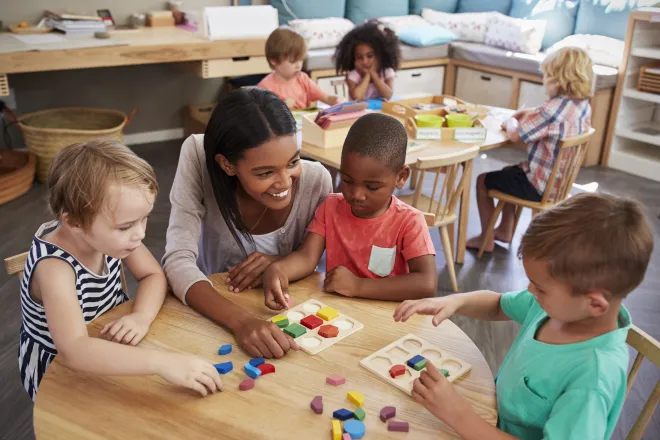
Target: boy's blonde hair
[[592, 241], [285, 44], [81, 174], [570, 68]]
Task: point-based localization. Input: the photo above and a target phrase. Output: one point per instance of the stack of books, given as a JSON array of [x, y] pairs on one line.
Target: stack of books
[[73, 24]]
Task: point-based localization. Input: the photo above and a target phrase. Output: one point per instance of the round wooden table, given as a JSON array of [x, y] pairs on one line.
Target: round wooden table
[[72, 405]]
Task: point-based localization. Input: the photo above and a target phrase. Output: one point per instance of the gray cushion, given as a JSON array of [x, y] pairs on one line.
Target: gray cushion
[[492, 56]]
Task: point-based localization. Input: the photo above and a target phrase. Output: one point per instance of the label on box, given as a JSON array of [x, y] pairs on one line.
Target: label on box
[[470, 134], [429, 134]]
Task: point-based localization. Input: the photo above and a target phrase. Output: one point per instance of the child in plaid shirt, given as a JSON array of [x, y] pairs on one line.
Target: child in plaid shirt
[[568, 80]]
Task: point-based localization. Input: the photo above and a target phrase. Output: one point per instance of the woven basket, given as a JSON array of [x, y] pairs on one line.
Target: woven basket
[[48, 131], [16, 174]]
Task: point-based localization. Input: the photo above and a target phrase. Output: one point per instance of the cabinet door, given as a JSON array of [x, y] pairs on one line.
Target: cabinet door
[[334, 85], [483, 88], [423, 81], [531, 94]]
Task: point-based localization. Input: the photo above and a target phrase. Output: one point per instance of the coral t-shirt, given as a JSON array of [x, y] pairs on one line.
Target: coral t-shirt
[[300, 88], [371, 248]]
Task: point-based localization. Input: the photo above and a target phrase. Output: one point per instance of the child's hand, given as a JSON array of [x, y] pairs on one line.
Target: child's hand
[[264, 339], [442, 308], [129, 329], [190, 372], [248, 273], [342, 281], [435, 393], [333, 100], [276, 288]]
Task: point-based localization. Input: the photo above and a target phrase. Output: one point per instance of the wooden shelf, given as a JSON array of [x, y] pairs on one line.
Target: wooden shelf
[[652, 52], [642, 96], [647, 132]]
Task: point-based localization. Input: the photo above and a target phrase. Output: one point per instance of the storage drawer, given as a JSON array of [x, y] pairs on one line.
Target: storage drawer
[[334, 85], [483, 88], [423, 81], [228, 67], [531, 94]]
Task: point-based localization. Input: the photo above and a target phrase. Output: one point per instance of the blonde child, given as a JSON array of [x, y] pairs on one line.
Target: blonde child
[[376, 246], [568, 80], [371, 55], [101, 194], [285, 52], [565, 375]]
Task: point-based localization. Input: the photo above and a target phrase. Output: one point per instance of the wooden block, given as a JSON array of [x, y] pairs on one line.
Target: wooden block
[[257, 361], [266, 368], [397, 370], [359, 414], [225, 349], [335, 380], [311, 322], [336, 430], [295, 330], [346, 436], [317, 405], [444, 372], [327, 313], [224, 367], [355, 428], [387, 413], [343, 414], [419, 366], [328, 331], [398, 426], [356, 397], [281, 321], [247, 384], [251, 371], [413, 360]]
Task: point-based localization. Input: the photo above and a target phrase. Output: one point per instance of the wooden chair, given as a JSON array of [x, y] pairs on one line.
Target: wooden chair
[[442, 209], [15, 265], [340, 87], [647, 347], [572, 151]]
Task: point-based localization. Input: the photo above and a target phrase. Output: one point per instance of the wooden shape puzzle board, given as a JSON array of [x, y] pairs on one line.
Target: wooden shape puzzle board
[[311, 342], [399, 351]]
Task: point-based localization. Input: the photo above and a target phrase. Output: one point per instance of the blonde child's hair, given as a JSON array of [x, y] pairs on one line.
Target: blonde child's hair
[[81, 174], [571, 70], [592, 241], [285, 44]]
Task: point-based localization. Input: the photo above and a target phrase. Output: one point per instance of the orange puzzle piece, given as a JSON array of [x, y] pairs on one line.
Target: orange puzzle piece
[[328, 331]]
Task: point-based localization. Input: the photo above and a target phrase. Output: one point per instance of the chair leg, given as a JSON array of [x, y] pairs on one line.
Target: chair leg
[[488, 234], [519, 210], [446, 246], [452, 237], [413, 178]]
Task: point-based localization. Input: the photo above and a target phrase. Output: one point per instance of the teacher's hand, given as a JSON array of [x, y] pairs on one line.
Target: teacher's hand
[[248, 273], [264, 339]]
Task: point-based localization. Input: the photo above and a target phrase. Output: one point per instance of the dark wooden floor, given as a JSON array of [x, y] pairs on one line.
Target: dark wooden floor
[[502, 272]]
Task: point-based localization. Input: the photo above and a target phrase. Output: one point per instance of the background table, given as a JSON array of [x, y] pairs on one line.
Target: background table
[[73, 405]]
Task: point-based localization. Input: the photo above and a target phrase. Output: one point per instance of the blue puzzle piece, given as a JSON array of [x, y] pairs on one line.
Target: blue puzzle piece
[[412, 361], [224, 367], [251, 371], [354, 428], [257, 361], [342, 414], [225, 349]]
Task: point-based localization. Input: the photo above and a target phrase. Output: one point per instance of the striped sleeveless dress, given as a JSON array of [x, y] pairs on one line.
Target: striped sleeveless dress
[[96, 295]]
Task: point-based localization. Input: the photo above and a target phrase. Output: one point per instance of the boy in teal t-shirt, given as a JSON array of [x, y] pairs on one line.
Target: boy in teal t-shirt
[[565, 375]]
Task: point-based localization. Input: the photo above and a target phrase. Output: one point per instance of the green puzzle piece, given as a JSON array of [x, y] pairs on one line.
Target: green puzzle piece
[[420, 365], [282, 323], [295, 330], [444, 372], [359, 414]]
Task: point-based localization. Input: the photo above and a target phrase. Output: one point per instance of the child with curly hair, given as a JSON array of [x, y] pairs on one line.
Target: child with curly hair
[[371, 55]]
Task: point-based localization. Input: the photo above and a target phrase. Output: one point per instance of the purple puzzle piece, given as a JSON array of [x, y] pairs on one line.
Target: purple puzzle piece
[[398, 426], [387, 413], [317, 405]]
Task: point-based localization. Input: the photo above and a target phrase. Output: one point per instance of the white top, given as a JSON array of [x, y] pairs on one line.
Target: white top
[[267, 244]]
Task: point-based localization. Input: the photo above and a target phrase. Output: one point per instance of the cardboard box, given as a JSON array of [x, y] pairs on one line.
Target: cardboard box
[[315, 135], [196, 117], [433, 105]]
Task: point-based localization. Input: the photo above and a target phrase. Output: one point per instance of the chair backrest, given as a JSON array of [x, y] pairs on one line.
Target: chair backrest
[[456, 167], [649, 348], [340, 87], [572, 151], [15, 265]]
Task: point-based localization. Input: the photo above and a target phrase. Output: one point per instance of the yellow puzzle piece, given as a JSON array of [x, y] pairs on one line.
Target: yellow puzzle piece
[[327, 313], [356, 397], [336, 430], [278, 318]]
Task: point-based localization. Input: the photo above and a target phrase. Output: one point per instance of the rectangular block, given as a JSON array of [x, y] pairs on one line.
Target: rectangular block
[[398, 426], [419, 366], [295, 330], [327, 313], [336, 430], [413, 360], [281, 321], [311, 322]]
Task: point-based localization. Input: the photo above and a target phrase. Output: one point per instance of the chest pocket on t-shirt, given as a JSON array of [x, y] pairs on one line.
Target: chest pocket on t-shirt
[[526, 406], [381, 260]]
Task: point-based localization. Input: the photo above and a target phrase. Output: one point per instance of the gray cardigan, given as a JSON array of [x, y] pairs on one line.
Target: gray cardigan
[[198, 240]]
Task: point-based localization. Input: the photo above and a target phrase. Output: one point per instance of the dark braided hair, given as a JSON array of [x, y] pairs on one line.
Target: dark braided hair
[[382, 39], [380, 137]]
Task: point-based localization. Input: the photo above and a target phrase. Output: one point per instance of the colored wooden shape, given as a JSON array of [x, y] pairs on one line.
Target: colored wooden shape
[[317, 405], [266, 368], [224, 367], [281, 321], [397, 370], [346, 436], [355, 428], [225, 349], [419, 366], [328, 331], [336, 430], [413, 360], [398, 426], [311, 321], [251, 371], [359, 414], [247, 384], [356, 397], [257, 361], [343, 414], [327, 313], [387, 413], [295, 330], [335, 380], [444, 372]]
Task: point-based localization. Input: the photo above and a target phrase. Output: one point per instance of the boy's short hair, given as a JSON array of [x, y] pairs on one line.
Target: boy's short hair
[[285, 44], [570, 68], [592, 241], [81, 174], [379, 136]]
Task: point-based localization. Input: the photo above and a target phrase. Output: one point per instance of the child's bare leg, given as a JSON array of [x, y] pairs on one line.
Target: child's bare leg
[[486, 208], [504, 232]]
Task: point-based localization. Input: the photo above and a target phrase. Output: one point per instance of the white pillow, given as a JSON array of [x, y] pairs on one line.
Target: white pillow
[[515, 34], [605, 51], [321, 33], [468, 26], [402, 22]]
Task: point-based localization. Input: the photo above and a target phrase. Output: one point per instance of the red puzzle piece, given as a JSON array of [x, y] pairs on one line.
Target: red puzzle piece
[[328, 331], [266, 368], [311, 321], [397, 370]]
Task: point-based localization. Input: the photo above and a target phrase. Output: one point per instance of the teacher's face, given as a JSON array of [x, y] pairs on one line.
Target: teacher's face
[[268, 172]]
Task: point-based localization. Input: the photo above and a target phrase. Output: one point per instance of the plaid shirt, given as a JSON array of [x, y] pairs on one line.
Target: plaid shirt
[[542, 129]]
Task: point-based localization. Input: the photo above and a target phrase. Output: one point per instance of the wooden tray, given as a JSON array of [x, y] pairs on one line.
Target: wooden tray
[[476, 133], [29, 30], [433, 105], [649, 79], [330, 138]]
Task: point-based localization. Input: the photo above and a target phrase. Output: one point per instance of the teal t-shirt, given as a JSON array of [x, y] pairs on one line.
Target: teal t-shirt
[[562, 392]]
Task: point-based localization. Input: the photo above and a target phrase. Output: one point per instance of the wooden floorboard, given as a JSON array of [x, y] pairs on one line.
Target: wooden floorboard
[[501, 271]]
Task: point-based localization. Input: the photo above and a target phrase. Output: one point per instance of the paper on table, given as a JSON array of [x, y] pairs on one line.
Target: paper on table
[[40, 38]]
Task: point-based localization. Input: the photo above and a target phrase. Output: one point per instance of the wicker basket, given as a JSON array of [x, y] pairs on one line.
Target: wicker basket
[[16, 174], [48, 131]]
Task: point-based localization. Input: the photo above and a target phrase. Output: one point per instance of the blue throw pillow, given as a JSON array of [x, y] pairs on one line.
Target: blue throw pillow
[[308, 9], [600, 17], [502, 6], [416, 6], [360, 10], [426, 36], [560, 17]]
